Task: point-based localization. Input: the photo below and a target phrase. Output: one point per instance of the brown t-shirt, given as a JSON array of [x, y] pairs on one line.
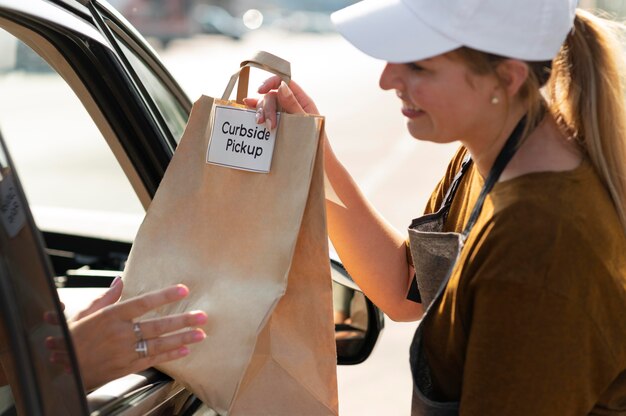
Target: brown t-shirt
[[533, 320]]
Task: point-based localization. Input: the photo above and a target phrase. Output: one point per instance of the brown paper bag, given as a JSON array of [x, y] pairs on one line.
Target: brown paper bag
[[252, 248]]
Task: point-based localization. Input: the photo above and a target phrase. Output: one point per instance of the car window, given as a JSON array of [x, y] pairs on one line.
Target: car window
[[168, 105], [72, 180], [173, 113]]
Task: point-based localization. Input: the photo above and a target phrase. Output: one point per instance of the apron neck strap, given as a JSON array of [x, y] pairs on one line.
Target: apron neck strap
[[506, 154], [451, 192]]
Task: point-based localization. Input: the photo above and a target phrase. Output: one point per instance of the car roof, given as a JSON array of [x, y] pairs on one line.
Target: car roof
[[70, 14]]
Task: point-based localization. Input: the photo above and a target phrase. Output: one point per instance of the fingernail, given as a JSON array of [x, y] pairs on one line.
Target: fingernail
[[183, 351], [116, 281], [284, 89], [199, 317], [259, 114], [268, 124], [182, 290], [50, 317], [198, 335], [49, 343]]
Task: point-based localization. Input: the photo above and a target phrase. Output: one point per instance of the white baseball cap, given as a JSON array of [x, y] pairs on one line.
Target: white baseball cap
[[410, 30]]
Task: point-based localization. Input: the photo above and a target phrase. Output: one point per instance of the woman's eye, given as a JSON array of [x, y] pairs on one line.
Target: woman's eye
[[415, 67]]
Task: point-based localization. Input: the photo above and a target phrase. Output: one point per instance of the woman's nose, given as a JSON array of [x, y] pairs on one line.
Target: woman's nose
[[389, 79]]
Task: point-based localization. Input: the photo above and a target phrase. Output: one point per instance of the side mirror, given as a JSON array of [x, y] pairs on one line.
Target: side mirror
[[358, 323]]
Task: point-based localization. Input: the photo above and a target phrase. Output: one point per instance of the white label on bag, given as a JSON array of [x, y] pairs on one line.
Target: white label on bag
[[238, 142]]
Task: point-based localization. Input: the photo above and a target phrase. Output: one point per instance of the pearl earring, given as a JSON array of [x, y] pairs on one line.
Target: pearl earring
[[495, 100]]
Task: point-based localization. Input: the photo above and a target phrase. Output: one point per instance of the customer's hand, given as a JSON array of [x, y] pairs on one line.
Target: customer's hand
[[111, 342], [291, 98]]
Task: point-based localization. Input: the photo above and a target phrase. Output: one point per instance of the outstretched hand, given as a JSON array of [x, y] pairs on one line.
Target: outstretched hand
[[111, 342], [291, 98]]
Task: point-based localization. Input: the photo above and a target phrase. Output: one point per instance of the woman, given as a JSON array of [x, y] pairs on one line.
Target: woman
[[520, 260]]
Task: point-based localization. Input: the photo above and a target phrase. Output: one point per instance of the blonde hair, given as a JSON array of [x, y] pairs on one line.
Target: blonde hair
[[584, 86], [586, 95]]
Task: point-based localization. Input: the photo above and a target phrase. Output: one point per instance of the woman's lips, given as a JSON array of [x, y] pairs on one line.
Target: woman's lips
[[411, 112]]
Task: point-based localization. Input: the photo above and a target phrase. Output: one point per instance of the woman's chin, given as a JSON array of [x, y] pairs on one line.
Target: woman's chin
[[429, 137]]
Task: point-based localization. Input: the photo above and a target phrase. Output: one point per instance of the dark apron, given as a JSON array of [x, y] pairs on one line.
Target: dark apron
[[435, 254]]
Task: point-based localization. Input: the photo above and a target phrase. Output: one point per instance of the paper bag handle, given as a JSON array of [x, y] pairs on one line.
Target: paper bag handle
[[262, 60]]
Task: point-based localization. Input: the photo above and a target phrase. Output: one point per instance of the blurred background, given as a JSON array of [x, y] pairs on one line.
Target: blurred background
[[167, 20]]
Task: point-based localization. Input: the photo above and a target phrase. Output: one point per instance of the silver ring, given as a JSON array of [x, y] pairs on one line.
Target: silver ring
[[137, 331], [141, 348]]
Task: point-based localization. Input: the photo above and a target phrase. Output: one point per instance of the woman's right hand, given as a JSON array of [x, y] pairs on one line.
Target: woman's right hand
[[292, 99], [108, 335]]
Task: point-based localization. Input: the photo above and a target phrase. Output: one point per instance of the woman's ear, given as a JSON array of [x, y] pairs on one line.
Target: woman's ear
[[513, 74]]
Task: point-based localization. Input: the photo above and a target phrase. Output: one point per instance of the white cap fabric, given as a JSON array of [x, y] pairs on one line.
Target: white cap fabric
[[410, 30]]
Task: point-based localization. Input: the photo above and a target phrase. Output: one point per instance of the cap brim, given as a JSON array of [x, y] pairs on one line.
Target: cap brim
[[390, 31]]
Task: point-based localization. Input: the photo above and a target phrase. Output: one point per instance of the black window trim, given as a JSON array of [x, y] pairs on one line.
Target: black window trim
[[140, 46], [107, 27]]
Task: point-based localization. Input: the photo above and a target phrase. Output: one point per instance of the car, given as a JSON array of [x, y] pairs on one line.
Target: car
[[84, 145]]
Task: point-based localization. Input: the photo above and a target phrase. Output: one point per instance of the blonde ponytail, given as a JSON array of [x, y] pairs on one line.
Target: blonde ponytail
[[586, 90]]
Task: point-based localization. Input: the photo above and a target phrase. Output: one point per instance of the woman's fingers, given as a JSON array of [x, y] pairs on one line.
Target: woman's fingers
[[51, 318], [305, 102], [54, 343], [168, 348], [59, 357], [267, 107], [302, 97], [250, 102], [166, 356], [288, 100], [269, 84], [140, 305], [267, 112], [160, 345], [109, 297], [291, 98], [153, 328]]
